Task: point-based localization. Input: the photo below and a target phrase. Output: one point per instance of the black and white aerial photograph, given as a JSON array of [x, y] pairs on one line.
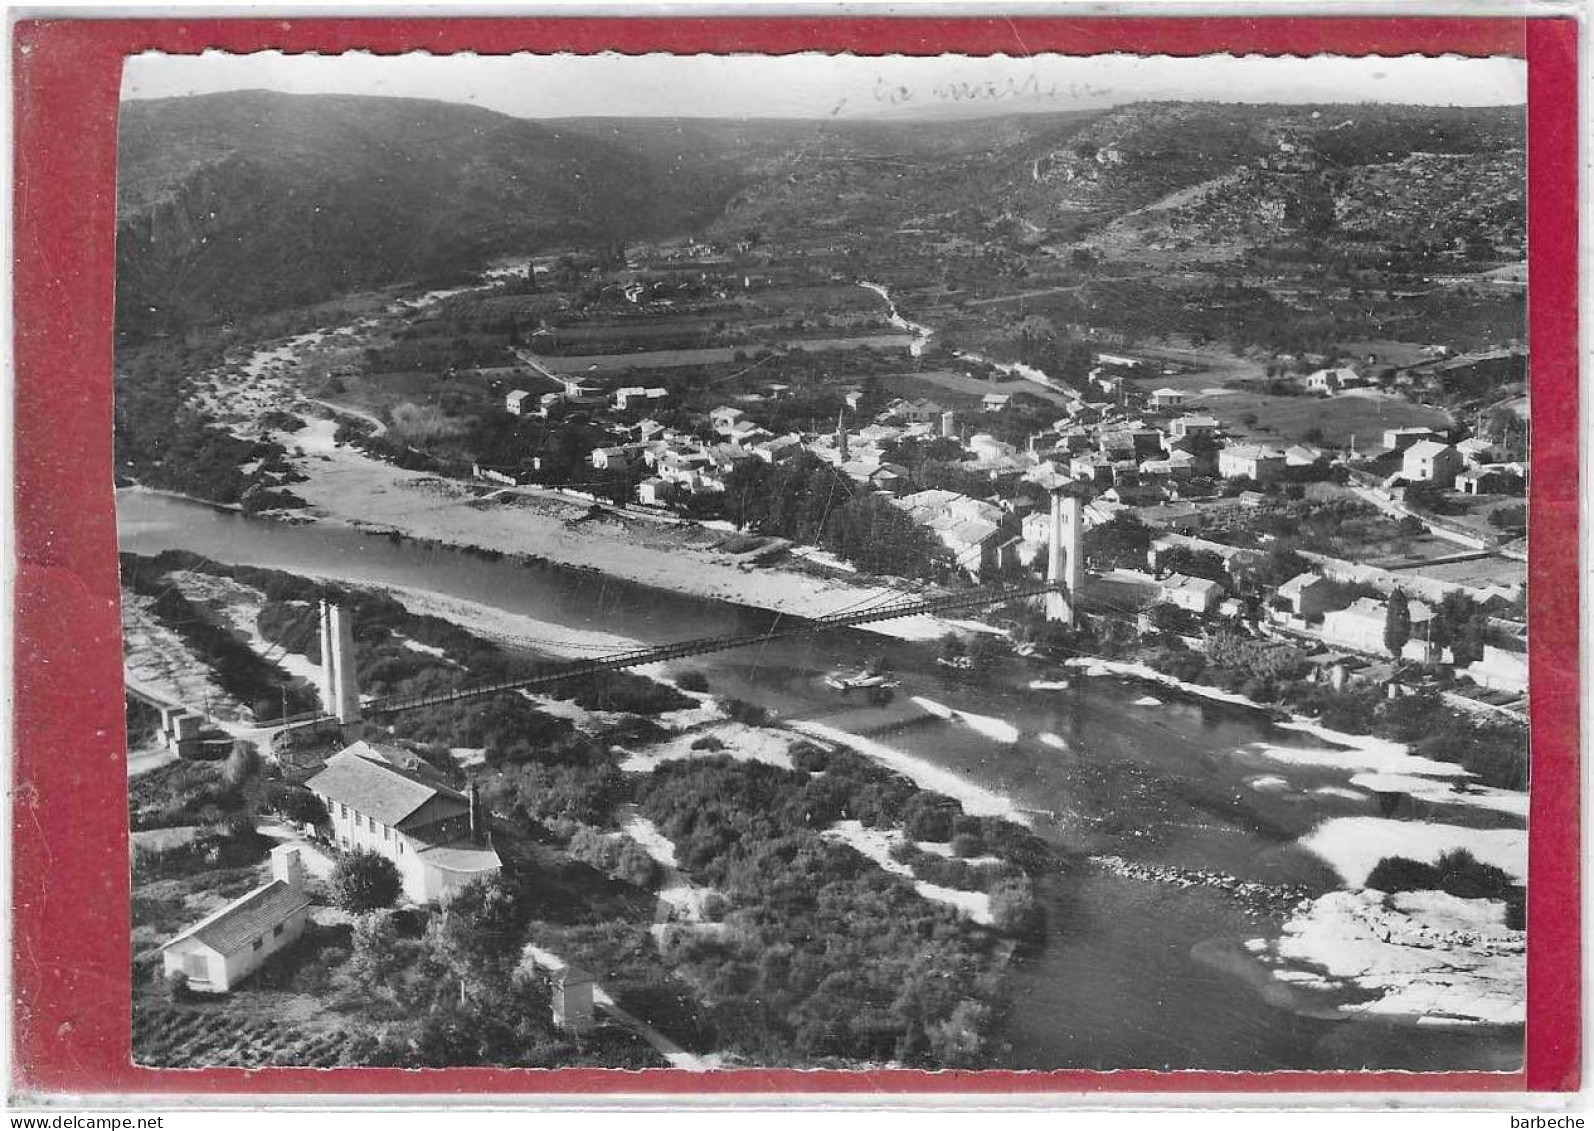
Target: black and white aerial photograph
[[824, 561]]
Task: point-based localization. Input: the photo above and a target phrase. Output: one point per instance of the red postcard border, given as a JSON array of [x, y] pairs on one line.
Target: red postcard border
[[70, 958]]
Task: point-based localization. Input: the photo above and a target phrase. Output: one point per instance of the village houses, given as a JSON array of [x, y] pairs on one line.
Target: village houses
[[970, 528]]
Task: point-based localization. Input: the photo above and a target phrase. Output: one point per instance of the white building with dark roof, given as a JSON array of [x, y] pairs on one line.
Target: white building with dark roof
[[1330, 381], [1250, 461], [1399, 439], [225, 947], [1307, 594], [387, 800], [1429, 461], [1303, 455], [1193, 425], [1197, 594]]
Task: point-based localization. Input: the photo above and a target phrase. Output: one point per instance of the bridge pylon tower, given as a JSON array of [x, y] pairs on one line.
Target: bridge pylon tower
[[340, 684], [1065, 561]]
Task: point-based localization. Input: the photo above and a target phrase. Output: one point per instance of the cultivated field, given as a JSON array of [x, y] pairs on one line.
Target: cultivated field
[[959, 391], [1338, 418], [671, 359]]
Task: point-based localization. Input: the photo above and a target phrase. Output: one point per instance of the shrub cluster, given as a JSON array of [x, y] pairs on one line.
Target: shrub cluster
[[616, 855], [1457, 873]]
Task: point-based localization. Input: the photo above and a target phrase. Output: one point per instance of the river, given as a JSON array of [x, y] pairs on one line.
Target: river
[[1102, 768]]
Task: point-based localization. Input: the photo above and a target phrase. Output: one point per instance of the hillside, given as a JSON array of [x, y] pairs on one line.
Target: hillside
[[245, 202], [248, 201]]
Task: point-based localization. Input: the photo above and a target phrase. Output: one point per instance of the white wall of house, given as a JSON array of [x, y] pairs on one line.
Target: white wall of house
[[423, 882], [205, 969], [351, 830], [211, 972], [1353, 630], [1197, 600], [1499, 670], [440, 884]]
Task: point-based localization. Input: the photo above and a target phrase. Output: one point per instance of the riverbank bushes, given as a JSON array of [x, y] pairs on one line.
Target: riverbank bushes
[[1456, 873], [1493, 749], [615, 855], [823, 954], [950, 872]]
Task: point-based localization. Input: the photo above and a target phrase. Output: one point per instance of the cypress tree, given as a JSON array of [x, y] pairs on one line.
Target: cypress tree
[[1397, 623]]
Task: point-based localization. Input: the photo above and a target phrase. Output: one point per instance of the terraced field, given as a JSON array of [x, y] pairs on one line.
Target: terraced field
[[205, 1035]]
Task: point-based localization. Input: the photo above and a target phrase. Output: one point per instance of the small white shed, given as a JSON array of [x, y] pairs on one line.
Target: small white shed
[[219, 951]]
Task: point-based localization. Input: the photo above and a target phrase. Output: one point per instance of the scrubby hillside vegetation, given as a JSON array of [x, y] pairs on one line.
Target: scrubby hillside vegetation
[[238, 203]]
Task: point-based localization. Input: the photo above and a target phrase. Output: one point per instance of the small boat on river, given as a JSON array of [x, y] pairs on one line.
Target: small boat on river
[[878, 687]]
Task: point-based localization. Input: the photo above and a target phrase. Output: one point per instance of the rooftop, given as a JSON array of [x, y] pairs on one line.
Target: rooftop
[[1250, 451], [246, 918], [1193, 584], [360, 776], [461, 857], [1300, 581], [1427, 449]]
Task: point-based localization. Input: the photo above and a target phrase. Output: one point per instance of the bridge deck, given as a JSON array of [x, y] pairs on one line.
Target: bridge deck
[[781, 629]]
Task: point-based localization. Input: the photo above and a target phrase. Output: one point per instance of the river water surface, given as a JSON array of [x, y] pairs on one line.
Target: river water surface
[[1102, 768]]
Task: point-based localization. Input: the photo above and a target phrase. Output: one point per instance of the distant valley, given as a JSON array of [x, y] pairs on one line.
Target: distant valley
[[246, 202]]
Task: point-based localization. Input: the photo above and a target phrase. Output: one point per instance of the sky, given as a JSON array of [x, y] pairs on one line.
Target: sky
[[845, 86]]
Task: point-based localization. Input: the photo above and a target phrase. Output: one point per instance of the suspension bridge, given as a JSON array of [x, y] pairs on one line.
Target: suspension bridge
[[346, 707], [783, 628], [342, 704]]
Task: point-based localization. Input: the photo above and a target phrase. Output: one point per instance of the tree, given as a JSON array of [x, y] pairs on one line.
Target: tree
[[1460, 625], [365, 881], [1397, 623], [479, 936], [985, 650], [1280, 565], [1166, 617], [1208, 564], [294, 803], [1512, 518], [376, 953], [1014, 910], [1425, 496], [242, 765], [241, 773], [958, 1041], [1122, 541]]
